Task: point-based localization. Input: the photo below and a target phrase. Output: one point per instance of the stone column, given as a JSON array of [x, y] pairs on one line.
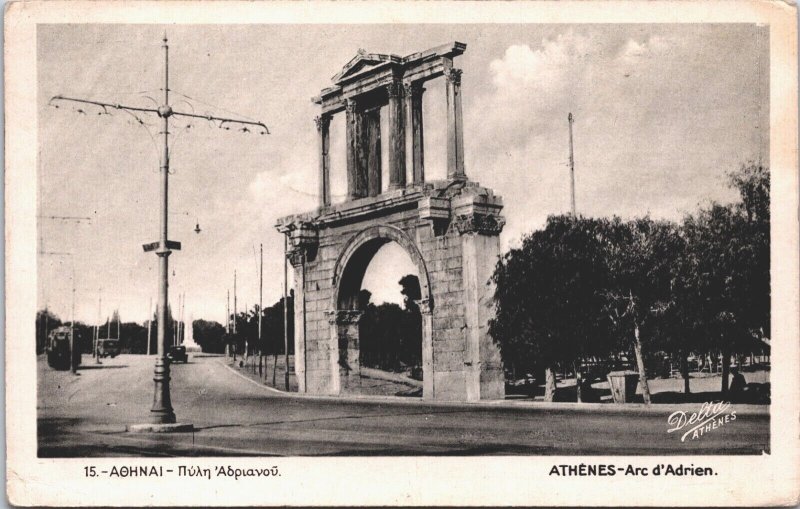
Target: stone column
[[397, 139], [415, 150], [356, 174], [333, 346], [455, 126], [478, 222], [428, 391], [303, 247], [323, 128], [297, 259], [346, 366], [370, 151]]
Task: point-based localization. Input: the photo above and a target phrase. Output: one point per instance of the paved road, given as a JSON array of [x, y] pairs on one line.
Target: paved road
[[86, 415]]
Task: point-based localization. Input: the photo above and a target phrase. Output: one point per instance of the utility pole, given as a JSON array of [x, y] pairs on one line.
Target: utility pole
[[78, 220], [183, 320], [236, 341], [235, 306], [149, 322], [260, 308], [285, 314], [72, 342], [176, 329], [46, 313], [97, 335], [577, 366], [72, 365], [571, 120], [161, 412], [118, 324]]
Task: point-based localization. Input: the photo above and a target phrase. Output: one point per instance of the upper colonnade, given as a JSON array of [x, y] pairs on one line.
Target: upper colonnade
[[366, 84]]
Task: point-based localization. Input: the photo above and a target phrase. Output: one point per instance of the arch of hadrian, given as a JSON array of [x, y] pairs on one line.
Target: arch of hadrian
[[450, 229]]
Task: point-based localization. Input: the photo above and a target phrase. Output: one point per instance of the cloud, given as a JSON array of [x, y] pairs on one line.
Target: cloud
[[547, 68], [634, 133]]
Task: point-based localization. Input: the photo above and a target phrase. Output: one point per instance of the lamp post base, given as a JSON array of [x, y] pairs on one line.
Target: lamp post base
[[162, 417], [175, 427]]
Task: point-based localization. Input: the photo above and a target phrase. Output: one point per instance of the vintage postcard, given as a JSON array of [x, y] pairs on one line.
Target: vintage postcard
[[402, 253]]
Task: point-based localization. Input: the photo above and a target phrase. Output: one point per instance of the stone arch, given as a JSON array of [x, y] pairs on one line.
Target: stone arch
[[449, 228], [344, 316], [356, 255]]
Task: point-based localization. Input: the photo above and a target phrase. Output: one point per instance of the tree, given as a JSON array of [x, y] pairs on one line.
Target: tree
[[640, 256], [727, 268], [549, 298], [133, 338], [209, 335], [730, 279], [390, 335], [411, 291]]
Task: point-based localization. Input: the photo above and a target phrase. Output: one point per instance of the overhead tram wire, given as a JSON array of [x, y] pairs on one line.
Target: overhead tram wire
[[161, 411], [130, 109], [210, 105]]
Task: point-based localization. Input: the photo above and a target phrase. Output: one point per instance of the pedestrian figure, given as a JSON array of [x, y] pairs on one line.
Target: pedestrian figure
[[738, 384]]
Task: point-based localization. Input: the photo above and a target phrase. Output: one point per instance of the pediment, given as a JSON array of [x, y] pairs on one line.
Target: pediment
[[363, 63]]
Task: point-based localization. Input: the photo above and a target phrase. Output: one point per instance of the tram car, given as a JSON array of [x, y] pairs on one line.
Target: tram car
[[58, 349]]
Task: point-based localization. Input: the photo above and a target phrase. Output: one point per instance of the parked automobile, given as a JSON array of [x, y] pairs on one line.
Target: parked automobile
[[177, 354], [108, 348]]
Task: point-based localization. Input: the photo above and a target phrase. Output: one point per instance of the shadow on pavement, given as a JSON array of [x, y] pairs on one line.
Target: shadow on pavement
[[102, 366], [753, 394]]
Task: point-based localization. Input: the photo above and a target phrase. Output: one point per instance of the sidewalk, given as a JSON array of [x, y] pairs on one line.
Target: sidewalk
[[608, 408]]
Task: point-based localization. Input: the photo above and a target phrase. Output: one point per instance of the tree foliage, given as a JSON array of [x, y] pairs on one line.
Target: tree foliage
[[583, 287], [390, 335], [548, 295]]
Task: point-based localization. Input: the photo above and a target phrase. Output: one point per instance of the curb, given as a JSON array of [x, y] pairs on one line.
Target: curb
[[628, 408]]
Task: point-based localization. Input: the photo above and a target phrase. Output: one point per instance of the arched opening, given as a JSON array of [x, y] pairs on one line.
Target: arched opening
[[380, 331]]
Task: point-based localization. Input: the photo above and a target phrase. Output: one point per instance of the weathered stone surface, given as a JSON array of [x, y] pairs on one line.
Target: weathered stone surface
[[460, 361], [449, 229]]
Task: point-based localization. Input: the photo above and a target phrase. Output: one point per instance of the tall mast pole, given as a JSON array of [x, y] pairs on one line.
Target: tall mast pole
[[260, 301], [571, 166], [228, 322], [73, 344], [161, 412], [149, 322], [285, 314], [46, 313], [234, 301], [97, 329], [183, 319]]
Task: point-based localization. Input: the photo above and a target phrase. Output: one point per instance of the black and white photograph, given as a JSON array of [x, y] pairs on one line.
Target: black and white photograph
[[253, 245]]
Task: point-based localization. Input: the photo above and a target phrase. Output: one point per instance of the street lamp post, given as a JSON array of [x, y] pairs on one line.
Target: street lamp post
[[162, 415], [161, 412]]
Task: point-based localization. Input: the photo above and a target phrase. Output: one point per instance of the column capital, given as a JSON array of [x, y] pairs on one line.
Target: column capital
[[453, 75], [425, 306], [322, 122], [350, 106], [344, 316], [483, 224], [297, 257], [413, 89], [303, 241], [395, 89]]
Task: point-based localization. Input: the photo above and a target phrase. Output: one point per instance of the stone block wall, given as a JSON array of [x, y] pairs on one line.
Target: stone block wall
[[452, 237]]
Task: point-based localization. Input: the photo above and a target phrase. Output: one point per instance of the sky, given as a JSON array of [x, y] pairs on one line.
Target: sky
[[662, 112]]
